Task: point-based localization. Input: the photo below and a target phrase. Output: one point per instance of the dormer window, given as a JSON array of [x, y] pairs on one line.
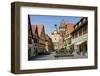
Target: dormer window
[[80, 23], [76, 26], [84, 20]]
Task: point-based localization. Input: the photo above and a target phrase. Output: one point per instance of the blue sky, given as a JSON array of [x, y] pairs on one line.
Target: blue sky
[[50, 21]]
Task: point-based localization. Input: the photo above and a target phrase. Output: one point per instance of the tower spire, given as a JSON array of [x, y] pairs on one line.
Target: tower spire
[[62, 24], [55, 28]]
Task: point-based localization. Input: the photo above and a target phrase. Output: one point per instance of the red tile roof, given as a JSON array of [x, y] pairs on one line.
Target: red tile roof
[[33, 29], [40, 29], [69, 27]]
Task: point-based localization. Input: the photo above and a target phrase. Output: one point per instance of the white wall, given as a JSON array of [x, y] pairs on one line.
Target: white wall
[[5, 42]]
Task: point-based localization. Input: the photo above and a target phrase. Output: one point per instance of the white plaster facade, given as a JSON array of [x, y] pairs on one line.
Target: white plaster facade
[[55, 39], [79, 40]]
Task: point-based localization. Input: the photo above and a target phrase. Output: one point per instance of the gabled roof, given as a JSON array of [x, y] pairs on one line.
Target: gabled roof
[[34, 27], [40, 29]]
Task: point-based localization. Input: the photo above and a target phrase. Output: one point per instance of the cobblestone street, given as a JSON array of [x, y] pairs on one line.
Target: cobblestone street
[[52, 57]]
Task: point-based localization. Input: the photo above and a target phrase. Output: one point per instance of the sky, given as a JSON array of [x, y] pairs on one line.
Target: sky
[[50, 21]]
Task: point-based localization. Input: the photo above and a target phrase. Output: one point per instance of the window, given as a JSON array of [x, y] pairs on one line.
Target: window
[[80, 32], [67, 35], [35, 40], [75, 34], [29, 41], [84, 29], [76, 26], [84, 20], [80, 23], [69, 41]]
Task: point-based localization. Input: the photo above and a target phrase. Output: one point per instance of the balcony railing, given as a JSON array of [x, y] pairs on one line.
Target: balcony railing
[[80, 38]]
